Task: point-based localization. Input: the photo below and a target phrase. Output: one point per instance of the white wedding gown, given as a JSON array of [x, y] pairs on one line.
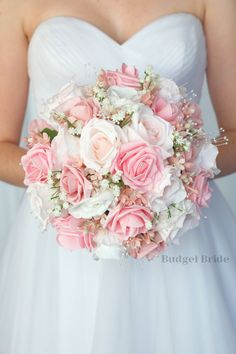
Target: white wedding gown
[[53, 301]]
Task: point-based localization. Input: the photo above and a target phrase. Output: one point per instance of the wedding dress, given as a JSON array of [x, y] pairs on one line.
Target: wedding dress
[[53, 301]]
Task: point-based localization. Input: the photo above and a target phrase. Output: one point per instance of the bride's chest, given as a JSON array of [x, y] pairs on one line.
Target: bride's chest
[[64, 48], [119, 19]]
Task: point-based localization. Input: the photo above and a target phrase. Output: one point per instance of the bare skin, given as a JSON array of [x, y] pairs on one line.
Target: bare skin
[[120, 19]]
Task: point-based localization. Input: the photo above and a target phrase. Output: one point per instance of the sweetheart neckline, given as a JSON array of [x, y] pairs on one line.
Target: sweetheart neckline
[[104, 34]]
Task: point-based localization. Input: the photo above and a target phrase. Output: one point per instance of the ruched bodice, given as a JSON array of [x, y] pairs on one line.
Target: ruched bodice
[[65, 47]]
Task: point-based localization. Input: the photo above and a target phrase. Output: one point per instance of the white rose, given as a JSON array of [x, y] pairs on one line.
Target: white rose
[[165, 180], [108, 246], [93, 206], [65, 147], [40, 202], [206, 158], [173, 193], [190, 222], [169, 225], [169, 90], [118, 94], [153, 129], [108, 252], [120, 100], [99, 142]]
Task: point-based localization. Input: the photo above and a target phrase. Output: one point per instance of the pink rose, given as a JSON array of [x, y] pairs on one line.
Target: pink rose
[[200, 191], [141, 164], [79, 108], [71, 234], [153, 129], [167, 111], [36, 164], [126, 77], [74, 184], [128, 221]]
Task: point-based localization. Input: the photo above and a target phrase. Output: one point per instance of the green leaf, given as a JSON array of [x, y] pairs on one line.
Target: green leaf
[[51, 133]]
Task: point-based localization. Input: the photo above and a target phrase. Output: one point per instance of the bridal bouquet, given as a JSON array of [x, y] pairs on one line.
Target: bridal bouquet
[[122, 167]]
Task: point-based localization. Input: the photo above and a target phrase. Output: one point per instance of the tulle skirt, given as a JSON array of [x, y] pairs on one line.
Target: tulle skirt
[[53, 301]]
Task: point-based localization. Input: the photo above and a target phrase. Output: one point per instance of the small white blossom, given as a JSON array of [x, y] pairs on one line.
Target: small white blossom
[[79, 128], [107, 106], [71, 131], [148, 225], [50, 182], [104, 184], [99, 93], [104, 171], [117, 176], [119, 116], [57, 210], [116, 190], [66, 205], [52, 193], [62, 195]]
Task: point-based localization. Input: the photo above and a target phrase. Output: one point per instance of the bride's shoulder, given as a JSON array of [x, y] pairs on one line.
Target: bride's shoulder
[[12, 15], [11, 18], [21, 15], [13, 9], [224, 9]]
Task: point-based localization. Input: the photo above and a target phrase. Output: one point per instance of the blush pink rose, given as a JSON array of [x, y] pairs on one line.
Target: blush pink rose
[[141, 165], [167, 111], [79, 108], [36, 164], [200, 191], [126, 77], [153, 250], [74, 184], [149, 245], [71, 235], [128, 221]]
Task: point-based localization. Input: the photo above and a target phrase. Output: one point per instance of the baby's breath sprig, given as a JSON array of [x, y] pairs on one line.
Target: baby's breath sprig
[[77, 130], [94, 177], [127, 119], [180, 142], [56, 195], [149, 81], [113, 183], [61, 118], [74, 128], [99, 92], [187, 178]]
